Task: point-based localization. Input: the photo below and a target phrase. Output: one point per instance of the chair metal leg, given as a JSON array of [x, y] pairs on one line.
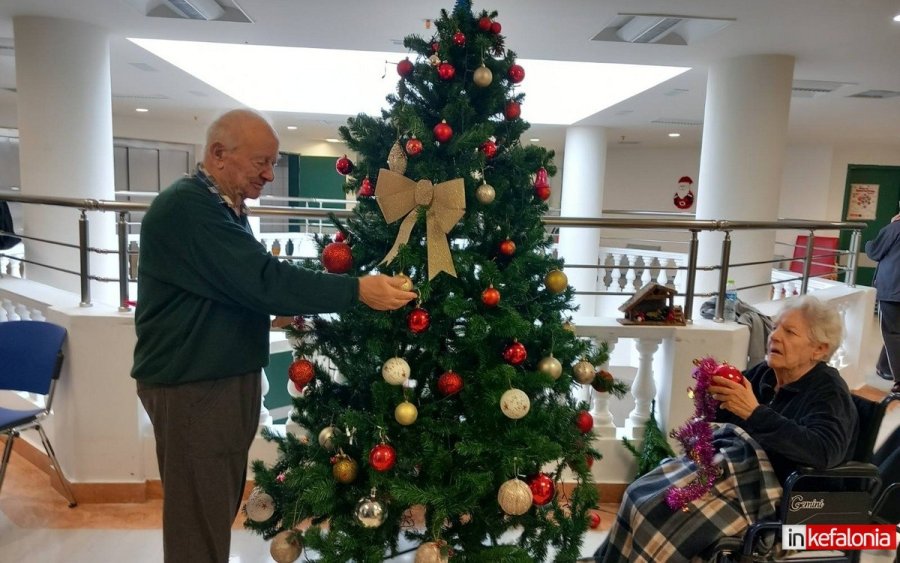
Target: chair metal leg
[[7, 452], [62, 478]]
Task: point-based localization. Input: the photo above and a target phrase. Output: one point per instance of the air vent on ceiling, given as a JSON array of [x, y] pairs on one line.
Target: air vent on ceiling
[[624, 141], [814, 88], [198, 93], [660, 28], [198, 9], [676, 121], [876, 94], [139, 97], [144, 66], [201, 10]]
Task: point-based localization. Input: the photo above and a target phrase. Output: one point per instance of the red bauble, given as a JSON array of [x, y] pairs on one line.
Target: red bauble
[[593, 520], [418, 320], [382, 457], [339, 236], [484, 24], [459, 38], [449, 383], [515, 353], [301, 372], [507, 248], [435, 46], [496, 27], [730, 373], [366, 189], [584, 421], [541, 184], [413, 147], [337, 258], [489, 148], [542, 193], [443, 132], [589, 459], [343, 165], [516, 74], [542, 488], [490, 297], [446, 71], [512, 110], [404, 68]]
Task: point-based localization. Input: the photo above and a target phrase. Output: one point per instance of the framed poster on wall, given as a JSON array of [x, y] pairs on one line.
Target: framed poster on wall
[[862, 203]]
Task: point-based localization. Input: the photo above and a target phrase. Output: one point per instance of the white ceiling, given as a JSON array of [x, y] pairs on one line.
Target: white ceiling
[[849, 41]]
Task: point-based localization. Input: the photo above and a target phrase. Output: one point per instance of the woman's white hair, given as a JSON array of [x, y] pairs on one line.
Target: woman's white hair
[[825, 325]]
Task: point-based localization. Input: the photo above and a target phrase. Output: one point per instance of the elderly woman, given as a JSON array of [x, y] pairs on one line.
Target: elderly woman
[[791, 410]]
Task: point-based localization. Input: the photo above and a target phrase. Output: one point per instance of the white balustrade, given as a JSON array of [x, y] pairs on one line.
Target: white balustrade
[[643, 389]]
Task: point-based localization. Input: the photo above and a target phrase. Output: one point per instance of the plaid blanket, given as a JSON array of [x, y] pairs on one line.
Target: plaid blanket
[[647, 530]]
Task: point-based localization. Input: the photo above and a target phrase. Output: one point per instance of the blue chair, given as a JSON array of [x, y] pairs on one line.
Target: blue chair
[[30, 360]]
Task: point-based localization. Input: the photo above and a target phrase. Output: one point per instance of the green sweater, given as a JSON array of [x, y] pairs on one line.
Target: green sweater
[[206, 288]]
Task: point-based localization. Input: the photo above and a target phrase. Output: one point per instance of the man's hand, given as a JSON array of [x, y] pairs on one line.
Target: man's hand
[[383, 293], [735, 397]]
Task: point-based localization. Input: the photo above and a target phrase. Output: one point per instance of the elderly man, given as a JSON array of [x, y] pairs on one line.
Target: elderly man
[[206, 289]]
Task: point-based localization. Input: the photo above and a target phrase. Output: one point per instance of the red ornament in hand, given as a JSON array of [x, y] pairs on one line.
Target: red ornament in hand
[[489, 148], [443, 132], [507, 247], [418, 320], [366, 189], [382, 457], [404, 68], [730, 373], [413, 147], [490, 297], [343, 165], [301, 372], [512, 110], [446, 71], [542, 488], [584, 421], [337, 258], [515, 353], [516, 74], [449, 383], [484, 24]]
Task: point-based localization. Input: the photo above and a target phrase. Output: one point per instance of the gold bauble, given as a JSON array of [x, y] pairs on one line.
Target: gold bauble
[[485, 194], [515, 404], [556, 281], [584, 372], [406, 413], [483, 76], [570, 326], [395, 371], [432, 552], [344, 470], [407, 282], [550, 366], [514, 497], [286, 546]]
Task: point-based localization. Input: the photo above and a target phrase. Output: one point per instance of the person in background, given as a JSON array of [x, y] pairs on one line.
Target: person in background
[[885, 249], [206, 290]]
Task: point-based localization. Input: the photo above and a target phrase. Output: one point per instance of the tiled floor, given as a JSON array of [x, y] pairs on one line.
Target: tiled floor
[[36, 524]]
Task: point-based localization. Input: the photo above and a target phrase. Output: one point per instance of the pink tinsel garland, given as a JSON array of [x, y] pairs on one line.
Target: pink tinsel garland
[[695, 437]]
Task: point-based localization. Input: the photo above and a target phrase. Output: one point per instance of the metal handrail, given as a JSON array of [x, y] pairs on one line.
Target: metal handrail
[[691, 225]]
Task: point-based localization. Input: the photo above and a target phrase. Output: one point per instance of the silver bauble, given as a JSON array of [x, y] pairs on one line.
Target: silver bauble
[[485, 194], [369, 512], [584, 372], [326, 437], [550, 366]]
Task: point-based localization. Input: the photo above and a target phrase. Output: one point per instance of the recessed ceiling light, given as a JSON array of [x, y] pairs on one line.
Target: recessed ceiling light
[[674, 134], [15, 188], [535, 140], [333, 141], [292, 127], [897, 18], [358, 83], [141, 110]]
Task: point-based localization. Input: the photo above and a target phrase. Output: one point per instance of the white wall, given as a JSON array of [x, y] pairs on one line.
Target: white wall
[[646, 179]]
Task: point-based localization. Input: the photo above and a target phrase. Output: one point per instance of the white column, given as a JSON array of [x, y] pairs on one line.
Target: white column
[[584, 167], [604, 426], [744, 137], [65, 143]]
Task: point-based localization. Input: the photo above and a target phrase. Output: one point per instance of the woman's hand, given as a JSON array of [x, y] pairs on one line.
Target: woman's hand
[[737, 398]]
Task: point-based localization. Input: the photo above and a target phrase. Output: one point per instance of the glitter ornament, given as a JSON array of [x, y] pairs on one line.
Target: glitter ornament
[[366, 189], [514, 497], [449, 383], [485, 193], [556, 281], [344, 469], [515, 404], [337, 258], [584, 372], [369, 512], [550, 366], [395, 371], [406, 413], [260, 506], [301, 372], [542, 488], [397, 159], [287, 546]]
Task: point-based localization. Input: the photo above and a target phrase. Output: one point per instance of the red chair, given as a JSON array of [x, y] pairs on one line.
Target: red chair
[[824, 264]]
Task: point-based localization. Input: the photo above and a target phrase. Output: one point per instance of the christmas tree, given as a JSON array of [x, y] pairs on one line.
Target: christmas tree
[[452, 421]]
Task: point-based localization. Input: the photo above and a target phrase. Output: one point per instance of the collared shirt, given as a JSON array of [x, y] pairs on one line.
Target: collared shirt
[[214, 189]]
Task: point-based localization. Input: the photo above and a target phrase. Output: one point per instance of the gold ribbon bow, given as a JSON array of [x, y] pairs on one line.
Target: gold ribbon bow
[[445, 205]]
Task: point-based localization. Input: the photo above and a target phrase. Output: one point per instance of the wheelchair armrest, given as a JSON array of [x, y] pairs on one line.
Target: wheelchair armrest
[[849, 470], [752, 533]]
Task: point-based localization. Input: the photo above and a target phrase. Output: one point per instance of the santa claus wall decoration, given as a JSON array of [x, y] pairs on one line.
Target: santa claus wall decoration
[[684, 196]]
